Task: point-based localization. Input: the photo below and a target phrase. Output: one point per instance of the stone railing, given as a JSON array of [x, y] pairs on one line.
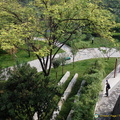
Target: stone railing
[[116, 110], [70, 86]]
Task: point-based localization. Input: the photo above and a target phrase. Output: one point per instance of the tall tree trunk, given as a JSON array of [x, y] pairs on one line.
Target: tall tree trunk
[[44, 64], [43, 68], [50, 58]]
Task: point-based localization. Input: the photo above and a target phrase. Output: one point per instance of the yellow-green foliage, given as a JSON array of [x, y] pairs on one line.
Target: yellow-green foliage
[[21, 22], [55, 21]]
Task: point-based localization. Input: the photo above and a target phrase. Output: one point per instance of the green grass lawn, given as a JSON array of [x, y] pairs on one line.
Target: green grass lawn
[[100, 42], [97, 42], [7, 60]]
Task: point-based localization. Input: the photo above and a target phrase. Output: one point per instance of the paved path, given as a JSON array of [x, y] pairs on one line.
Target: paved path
[[80, 55], [105, 105]]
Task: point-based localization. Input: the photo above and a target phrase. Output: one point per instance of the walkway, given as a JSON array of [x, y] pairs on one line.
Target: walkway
[[82, 54], [105, 105]]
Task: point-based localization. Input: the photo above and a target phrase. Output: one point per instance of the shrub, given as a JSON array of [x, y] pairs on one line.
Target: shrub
[[88, 37], [116, 35], [26, 92], [84, 108], [2, 84], [81, 45]]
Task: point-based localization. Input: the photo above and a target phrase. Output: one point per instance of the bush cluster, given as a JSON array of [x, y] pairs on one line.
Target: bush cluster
[[85, 105], [81, 45], [116, 36]]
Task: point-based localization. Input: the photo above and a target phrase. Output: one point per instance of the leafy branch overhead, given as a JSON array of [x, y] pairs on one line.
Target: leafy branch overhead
[[52, 20]]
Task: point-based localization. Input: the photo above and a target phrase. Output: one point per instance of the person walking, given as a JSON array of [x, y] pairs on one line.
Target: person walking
[[107, 88]]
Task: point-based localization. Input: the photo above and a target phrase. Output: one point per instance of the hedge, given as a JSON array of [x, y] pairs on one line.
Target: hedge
[[84, 107]]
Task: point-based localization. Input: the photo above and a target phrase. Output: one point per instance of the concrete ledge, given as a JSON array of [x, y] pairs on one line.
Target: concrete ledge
[[64, 78], [70, 86], [65, 96]]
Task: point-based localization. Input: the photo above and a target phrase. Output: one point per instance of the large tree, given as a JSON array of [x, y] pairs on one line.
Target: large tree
[[54, 21]]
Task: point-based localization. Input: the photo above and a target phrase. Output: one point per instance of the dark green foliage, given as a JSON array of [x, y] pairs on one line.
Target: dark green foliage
[[88, 36], [2, 52], [56, 63], [26, 92], [2, 84], [81, 45], [1, 73], [117, 35], [2, 80], [114, 7], [84, 107], [24, 2], [80, 41]]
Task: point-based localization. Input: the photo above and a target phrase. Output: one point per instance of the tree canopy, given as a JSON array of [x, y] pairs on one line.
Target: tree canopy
[[52, 20]]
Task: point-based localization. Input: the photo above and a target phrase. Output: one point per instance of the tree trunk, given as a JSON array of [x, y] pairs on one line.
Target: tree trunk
[[56, 74], [44, 65], [73, 61], [62, 70], [29, 53]]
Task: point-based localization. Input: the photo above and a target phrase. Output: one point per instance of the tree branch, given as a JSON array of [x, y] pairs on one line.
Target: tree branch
[[70, 19], [13, 13], [71, 33]]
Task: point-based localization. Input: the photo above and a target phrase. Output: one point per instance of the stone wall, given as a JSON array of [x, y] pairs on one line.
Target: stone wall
[[64, 78], [116, 111]]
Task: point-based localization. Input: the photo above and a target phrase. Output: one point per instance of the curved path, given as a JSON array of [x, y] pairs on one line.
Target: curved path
[[82, 54]]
